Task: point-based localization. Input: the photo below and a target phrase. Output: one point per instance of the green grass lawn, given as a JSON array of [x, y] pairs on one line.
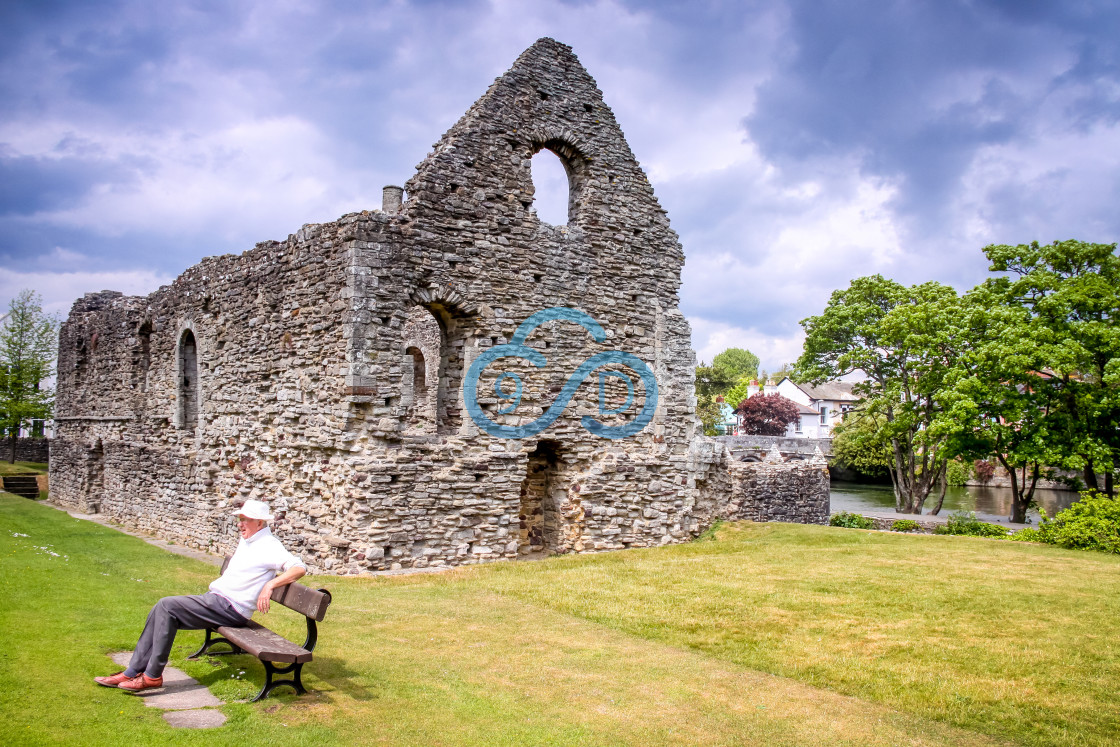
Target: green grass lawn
[[765, 634], [22, 468]]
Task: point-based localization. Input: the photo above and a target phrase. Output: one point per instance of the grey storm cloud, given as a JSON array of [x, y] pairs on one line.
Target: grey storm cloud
[[916, 89], [796, 144]]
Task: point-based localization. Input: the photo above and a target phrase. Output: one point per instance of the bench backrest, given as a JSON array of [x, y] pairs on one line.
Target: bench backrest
[[295, 596]]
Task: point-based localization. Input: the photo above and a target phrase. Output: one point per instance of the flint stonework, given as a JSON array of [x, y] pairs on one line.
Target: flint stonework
[[324, 373]]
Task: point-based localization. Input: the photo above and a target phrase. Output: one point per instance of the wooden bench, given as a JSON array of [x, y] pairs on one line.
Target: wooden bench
[[270, 648]]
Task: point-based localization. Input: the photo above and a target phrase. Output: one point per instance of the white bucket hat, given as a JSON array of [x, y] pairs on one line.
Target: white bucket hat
[[254, 510]]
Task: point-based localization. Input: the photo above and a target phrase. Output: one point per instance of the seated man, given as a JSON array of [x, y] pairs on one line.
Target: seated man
[[246, 585]]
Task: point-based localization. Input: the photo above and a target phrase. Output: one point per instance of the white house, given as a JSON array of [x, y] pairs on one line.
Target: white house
[[821, 407]]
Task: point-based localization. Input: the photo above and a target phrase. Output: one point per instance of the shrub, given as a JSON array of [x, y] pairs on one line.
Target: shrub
[[906, 525], [767, 414], [851, 521], [984, 470], [1026, 535], [957, 472], [967, 524], [1093, 523]]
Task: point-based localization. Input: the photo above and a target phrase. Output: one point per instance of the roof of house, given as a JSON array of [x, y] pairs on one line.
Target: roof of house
[[830, 390]]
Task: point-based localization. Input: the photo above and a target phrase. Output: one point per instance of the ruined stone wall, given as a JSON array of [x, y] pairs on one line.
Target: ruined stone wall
[[777, 490], [27, 449], [325, 373]]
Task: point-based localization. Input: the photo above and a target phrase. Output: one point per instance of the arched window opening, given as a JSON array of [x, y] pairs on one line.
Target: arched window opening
[[421, 405], [551, 188], [421, 385], [188, 381], [143, 355]]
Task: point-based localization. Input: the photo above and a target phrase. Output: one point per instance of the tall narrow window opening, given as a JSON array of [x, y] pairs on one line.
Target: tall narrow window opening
[[144, 354], [95, 478], [188, 380]]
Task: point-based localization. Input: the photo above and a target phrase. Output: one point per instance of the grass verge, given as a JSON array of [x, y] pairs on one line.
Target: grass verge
[[22, 468], [877, 638]]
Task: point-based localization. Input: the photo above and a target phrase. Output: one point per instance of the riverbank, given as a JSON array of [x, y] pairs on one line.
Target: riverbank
[[990, 504]]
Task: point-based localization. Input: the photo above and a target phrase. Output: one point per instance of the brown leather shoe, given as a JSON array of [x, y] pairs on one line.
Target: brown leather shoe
[[141, 682], [112, 680]]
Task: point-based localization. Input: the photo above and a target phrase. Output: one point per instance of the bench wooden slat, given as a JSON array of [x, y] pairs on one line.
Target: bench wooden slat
[[308, 602], [262, 643]]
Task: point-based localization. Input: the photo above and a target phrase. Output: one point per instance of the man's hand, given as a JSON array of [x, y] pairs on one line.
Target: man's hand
[[264, 597], [285, 578]]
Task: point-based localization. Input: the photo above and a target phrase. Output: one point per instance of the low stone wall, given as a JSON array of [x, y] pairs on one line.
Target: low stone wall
[[27, 449], [925, 526], [777, 490]]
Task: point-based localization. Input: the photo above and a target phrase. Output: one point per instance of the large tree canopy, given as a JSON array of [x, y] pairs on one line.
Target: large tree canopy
[[904, 340], [999, 399], [741, 363], [1071, 292], [27, 352]]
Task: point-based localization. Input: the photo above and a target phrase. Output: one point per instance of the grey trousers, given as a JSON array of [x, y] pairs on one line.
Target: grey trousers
[[170, 615]]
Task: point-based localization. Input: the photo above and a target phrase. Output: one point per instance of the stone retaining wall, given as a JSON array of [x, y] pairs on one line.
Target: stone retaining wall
[[27, 449]]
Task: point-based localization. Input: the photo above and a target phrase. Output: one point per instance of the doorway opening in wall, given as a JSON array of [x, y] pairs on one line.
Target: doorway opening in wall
[[539, 518], [551, 188], [95, 478]]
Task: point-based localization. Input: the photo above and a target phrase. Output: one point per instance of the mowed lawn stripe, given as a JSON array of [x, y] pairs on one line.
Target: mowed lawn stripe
[[1011, 639]]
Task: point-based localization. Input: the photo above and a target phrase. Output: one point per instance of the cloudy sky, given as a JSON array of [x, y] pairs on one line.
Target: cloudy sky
[[796, 144]]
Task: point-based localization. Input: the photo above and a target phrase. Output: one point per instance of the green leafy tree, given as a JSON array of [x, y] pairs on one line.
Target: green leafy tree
[[859, 443], [999, 402], [713, 380], [904, 340], [710, 415], [738, 361], [27, 352], [1071, 293], [739, 392]]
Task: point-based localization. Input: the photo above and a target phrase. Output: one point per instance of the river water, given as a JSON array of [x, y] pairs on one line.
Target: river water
[[990, 504]]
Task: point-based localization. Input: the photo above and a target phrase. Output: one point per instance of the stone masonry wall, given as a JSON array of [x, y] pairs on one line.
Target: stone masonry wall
[[777, 490], [27, 449], [325, 373]]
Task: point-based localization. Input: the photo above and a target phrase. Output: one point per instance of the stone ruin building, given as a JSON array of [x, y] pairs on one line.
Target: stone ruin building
[[326, 373]]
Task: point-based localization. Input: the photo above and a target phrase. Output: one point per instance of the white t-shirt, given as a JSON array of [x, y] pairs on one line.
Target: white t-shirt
[[254, 563]]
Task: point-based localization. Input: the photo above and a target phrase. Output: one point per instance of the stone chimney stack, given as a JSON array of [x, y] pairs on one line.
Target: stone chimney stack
[[391, 199]]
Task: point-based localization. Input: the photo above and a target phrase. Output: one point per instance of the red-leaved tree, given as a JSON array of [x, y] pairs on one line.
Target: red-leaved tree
[[767, 414]]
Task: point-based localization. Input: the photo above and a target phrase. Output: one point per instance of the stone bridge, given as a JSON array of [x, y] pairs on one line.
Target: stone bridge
[[758, 446]]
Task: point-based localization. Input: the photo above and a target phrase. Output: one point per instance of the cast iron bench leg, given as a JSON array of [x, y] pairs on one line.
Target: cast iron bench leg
[[212, 641], [271, 669]]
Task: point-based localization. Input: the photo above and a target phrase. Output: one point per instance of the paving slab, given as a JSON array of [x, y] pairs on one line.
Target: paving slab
[[179, 691]]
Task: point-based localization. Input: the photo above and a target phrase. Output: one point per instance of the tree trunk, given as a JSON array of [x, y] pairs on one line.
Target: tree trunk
[[14, 441], [1090, 475], [943, 484]]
